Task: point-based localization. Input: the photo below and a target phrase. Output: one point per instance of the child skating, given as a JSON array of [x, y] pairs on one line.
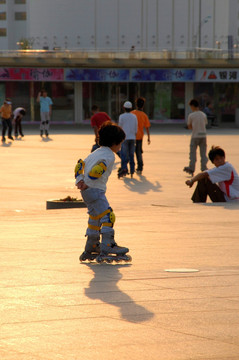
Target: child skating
[[91, 177]]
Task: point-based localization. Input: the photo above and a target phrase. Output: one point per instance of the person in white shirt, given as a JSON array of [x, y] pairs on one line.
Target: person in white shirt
[[91, 177], [197, 122], [18, 114], [129, 124], [223, 173]]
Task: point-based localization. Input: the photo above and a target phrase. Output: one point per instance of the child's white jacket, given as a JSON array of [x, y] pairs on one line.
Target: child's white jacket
[[103, 154]]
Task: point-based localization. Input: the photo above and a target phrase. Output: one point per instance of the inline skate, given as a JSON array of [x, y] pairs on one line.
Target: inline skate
[[92, 248], [110, 251]]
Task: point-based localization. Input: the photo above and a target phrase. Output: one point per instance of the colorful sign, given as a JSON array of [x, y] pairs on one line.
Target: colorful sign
[[110, 75], [217, 75], [162, 75], [32, 74]]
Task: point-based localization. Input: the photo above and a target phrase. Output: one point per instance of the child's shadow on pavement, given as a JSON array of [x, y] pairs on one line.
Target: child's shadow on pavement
[[104, 287], [141, 185]]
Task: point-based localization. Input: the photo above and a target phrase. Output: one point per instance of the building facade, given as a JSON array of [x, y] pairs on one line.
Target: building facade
[[145, 25], [103, 52]]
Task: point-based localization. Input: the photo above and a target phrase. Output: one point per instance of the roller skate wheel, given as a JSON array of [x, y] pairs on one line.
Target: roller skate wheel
[[129, 258], [99, 260], [109, 261], [82, 257]]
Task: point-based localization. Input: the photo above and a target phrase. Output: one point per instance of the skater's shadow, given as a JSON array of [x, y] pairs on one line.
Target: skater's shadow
[[46, 139], [141, 185], [104, 287], [4, 144]]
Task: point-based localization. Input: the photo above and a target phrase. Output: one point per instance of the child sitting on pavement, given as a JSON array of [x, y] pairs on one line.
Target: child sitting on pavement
[[223, 173]]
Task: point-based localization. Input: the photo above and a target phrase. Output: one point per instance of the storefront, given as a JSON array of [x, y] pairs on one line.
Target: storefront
[[167, 91]]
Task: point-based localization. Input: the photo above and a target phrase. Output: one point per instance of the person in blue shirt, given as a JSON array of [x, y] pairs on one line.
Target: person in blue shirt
[[45, 111]]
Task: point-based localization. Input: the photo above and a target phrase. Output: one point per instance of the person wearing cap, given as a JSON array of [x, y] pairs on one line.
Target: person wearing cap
[[143, 123], [6, 114], [129, 124]]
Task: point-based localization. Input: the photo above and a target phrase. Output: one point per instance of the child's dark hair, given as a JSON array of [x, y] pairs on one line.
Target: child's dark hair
[[94, 108], [216, 150], [194, 103], [110, 134], [140, 102]]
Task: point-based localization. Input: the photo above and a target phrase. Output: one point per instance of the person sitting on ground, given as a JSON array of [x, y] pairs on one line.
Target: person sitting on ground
[[211, 117], [223, 173]]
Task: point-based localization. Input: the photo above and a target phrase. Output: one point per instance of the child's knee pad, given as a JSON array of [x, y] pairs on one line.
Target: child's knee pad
[[106, 218]]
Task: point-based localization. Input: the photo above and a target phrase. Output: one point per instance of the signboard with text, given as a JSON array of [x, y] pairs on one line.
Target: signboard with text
[[217, 75], [31, 74]]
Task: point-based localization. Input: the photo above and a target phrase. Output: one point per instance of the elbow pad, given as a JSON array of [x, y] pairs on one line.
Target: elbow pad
[[97, 171], [79, 168]]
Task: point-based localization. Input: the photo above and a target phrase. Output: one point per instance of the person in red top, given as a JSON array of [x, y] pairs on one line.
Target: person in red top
[[143, 122], [97, 119]]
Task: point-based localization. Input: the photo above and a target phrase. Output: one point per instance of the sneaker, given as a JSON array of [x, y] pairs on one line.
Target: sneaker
[[10, 137], [3, 139]]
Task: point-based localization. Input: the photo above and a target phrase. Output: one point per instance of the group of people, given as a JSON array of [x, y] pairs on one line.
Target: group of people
[[9, 118], [133, 122], [221, 183]]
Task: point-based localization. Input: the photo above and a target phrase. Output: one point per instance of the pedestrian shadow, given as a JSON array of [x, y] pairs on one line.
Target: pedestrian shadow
[[104, 287], [141, 184]]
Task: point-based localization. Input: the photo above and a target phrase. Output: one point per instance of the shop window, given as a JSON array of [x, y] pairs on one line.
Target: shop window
[[3, 15], [20, 1], [3, 32], [20, 15]]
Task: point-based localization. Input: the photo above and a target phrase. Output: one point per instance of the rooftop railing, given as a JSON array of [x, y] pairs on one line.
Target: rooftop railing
[[197, 53]]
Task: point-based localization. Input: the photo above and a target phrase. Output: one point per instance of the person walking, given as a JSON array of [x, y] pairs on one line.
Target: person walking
[[129, 123], [143, 123], [197, 122], [6, 114], [98, 118], [45, 111]]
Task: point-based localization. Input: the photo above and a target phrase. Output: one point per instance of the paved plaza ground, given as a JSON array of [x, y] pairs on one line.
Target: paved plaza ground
[[54, 308]]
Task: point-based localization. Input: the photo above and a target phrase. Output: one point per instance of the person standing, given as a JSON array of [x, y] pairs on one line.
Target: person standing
[[197, 122], [18, 114], [129, 123], [98, 118], [45, 111], [143, 122], [6, 114]]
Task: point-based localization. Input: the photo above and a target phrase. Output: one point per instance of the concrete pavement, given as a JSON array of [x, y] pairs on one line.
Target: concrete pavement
[[52, 307]]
